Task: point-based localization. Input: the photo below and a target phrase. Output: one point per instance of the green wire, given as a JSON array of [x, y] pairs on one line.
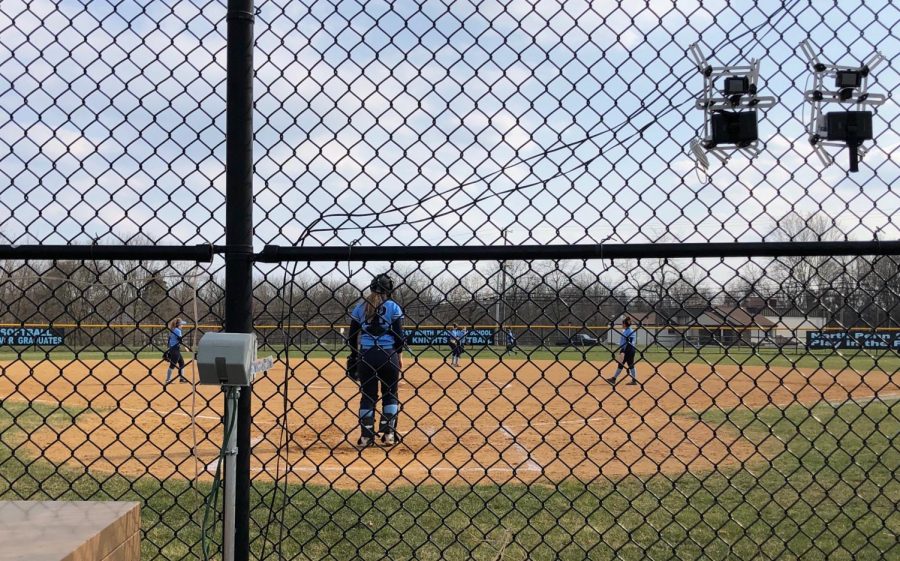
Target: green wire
[[213, 496]]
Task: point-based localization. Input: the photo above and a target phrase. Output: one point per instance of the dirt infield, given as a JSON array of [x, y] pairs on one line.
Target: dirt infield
[[489, 421]]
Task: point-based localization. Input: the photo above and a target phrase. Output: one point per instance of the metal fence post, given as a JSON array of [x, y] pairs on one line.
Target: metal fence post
[[239, 232]]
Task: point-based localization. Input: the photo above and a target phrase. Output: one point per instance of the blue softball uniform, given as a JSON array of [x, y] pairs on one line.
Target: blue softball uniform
[[175, 337], [379, 341], [459, 335], [626, 341], [384, 330]]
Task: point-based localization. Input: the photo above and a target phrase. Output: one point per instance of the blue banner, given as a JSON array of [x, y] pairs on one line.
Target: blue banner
[[441, 337], [853, 340], [31, 336]]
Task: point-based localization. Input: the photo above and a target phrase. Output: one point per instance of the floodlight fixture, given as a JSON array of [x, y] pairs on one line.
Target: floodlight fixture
[[845, 128], [730, 107]]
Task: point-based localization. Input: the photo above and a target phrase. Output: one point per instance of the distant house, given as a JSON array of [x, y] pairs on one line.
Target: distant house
[[791, 329], [648, 331], [732, 325], [722, 325]]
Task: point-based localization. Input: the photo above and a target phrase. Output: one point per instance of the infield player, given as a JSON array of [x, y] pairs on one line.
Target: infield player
[[376, 346], [457, 342], [173, 351], [627, 350]]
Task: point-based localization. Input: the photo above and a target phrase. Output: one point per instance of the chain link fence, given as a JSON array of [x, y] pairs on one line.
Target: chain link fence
[[525, 173]]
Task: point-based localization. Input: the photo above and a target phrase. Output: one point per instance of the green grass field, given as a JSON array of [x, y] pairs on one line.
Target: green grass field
[[862, 361], [830, 491]]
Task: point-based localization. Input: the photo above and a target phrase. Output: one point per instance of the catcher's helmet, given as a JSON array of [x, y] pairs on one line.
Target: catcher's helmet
[[382, 284]]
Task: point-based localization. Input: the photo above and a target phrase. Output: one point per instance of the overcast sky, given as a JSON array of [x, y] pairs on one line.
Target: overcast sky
[[112, 121]]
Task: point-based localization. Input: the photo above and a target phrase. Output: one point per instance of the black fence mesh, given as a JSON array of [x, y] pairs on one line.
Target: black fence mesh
[[763, 418]]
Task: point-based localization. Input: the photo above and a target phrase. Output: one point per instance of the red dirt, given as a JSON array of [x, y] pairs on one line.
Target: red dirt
[[489, 421]]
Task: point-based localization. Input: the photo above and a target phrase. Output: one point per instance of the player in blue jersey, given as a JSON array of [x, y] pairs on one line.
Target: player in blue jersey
[[173, 351], [457, 344], [510, 341], [376, 346], [627, 350]]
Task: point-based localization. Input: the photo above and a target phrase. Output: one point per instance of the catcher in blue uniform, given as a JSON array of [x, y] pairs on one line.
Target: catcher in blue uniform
[[376, 347]]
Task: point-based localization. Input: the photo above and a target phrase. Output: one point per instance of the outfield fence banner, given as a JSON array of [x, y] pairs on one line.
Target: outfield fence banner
[[722, 175], [441, 337], [31, 336], [873, 341]]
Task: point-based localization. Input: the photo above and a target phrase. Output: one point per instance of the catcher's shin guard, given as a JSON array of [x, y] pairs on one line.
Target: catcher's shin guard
[[388, 429], [367, 423], [388, 424]]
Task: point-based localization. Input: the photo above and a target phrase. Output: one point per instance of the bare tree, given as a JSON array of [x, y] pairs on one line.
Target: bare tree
[[803, 278]]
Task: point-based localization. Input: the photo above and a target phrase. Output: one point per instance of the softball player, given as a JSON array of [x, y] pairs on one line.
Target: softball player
[[173, 352], [376, 343], [457, 342], [627, 350], [510, 341]]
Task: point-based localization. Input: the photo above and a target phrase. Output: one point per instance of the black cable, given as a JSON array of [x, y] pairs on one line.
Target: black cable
[[286, 319], [281, 445], [213, 496], [785, 8], [311, 228], [485, 177], [473, 202]]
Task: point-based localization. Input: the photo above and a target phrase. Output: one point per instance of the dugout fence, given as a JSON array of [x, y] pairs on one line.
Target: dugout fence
[[515, 166]]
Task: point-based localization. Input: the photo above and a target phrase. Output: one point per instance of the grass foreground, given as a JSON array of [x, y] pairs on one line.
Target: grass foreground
[[830, 491], [787, 357]]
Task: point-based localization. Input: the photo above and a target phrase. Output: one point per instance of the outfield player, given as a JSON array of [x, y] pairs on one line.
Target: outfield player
[[510, 341], [457, 344], [627, 350], [376, 346], [173, 351]]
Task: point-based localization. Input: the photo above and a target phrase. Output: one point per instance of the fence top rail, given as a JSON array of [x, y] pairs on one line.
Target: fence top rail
[[413, 326], [275, 253], [202, 253]]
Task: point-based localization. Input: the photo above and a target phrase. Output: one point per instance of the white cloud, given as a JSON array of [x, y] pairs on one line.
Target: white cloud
[[76, 144], [682, 166], [497, 112], [631, 38], [55, 144], [514, 135]]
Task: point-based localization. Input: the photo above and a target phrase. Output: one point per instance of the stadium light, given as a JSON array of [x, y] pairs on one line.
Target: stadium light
[[730, 116], [840, 128]]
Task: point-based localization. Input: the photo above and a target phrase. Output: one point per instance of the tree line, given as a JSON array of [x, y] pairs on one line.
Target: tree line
[[142, 296]]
